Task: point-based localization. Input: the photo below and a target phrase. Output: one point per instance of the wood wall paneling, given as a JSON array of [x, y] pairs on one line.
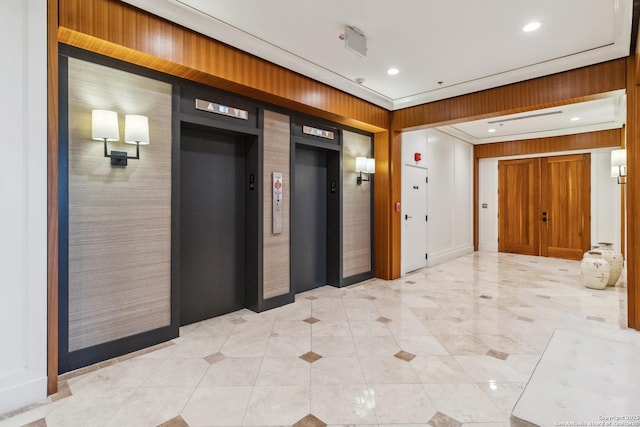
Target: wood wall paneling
[[116, 29], [388, 153], [276, 262], [633, 191], [558, 89], [580, 141], [476, 200], [395, 177], [119, 217], [382, 207], [52, 197], [356, 207]]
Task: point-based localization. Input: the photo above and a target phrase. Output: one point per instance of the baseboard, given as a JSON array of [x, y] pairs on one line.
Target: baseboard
[[24, 394], [489, 247], [436, 258]]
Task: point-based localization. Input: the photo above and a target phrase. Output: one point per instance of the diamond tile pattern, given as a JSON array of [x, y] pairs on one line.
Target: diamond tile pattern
[[444, 351], [310, 421], [175, 422], [404, 355], [443, 420], [498, 354], [37, 423], [311, 357], [215, 358]]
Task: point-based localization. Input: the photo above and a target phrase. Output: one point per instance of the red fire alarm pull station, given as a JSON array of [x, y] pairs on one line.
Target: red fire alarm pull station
[[417, 156], [397, 206]]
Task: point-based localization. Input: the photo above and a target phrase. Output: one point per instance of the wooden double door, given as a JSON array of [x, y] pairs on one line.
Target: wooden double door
[[544, 206]]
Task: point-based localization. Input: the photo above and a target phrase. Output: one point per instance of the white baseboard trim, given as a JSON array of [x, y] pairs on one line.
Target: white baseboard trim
[[447, 255], [488, 247], [21, 395]]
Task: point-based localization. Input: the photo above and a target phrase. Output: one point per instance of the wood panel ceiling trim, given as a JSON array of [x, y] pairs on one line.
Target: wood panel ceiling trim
[[120, 31], [580, 141], [582, 84]]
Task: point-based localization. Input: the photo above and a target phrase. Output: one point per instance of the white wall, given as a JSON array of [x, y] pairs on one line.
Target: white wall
[[488, 195], [450, 203], [23, 204], [605, 201], [450, 225]]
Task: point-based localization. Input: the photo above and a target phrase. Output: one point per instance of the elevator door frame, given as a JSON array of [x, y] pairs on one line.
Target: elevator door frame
[[248, 148], [253, 205], [334, 207]]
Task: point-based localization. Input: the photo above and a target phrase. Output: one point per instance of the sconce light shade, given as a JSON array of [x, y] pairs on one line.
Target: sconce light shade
[[104, 125], [371, 166], [619, 157], [619, 165], [615, 172], [136, 129], [364, 165]]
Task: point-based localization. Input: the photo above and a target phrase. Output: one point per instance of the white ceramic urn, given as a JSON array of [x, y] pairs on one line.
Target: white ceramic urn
[[594, 271], [615, 260], [593, 248]]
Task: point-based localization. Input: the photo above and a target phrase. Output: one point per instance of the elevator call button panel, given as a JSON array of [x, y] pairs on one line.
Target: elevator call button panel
[[277, 202]]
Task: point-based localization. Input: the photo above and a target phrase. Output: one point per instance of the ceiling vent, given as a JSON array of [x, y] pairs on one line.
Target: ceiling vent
[[530, 116], [355, 41]]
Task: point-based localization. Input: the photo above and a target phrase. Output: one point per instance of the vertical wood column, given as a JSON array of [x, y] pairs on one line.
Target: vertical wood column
[[387, 191], [396, 195], [633, 192], [382, 209]]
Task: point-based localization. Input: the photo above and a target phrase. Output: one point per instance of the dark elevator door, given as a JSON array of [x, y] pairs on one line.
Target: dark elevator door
[[212, 223], [309, 237]]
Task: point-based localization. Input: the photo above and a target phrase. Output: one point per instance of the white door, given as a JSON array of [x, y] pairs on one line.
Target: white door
[[414, 218]]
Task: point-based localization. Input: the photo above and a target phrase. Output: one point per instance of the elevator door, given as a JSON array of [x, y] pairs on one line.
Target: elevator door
[[309, 233], [212, 223]]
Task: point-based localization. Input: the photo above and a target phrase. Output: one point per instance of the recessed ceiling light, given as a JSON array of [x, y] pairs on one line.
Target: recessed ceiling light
[[393, 71], [575, 119], [492, 130], [531, 26]]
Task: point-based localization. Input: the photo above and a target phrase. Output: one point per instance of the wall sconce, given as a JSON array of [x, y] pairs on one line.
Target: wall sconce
[[365, 165], [619, 165], [104, 127]]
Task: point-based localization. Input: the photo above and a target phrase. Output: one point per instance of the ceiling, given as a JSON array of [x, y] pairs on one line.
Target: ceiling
[[441, 48]]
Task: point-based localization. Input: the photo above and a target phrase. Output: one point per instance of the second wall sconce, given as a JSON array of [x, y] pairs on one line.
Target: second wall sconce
[[104, 127], [619, 165], [365, 165]]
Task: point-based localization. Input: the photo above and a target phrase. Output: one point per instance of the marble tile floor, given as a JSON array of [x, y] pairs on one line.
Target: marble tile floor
[[582, 380], [449, 345]]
